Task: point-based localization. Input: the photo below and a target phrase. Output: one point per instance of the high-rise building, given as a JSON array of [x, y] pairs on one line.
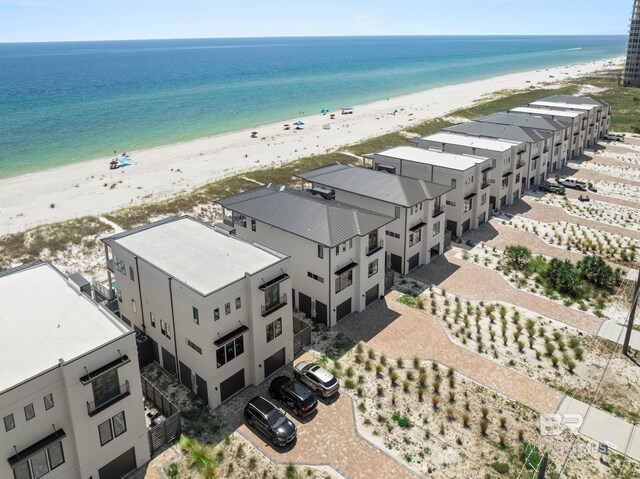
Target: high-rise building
[[632, 68]]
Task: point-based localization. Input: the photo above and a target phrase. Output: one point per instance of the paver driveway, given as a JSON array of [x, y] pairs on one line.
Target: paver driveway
[[327, 437], [472, 281], [397, 331]]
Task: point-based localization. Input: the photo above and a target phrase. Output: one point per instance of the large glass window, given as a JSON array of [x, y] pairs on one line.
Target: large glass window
[[274, 329], [436, 228], [104, 429], [9, 422], [229, 351], [105, 387], [22, 471], [344, 280], [373, 268], [119, 424], [272, 296], [39, 464], [56, 456]]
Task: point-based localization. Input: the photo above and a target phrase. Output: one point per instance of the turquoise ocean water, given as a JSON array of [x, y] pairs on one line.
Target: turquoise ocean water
[[67, 102]]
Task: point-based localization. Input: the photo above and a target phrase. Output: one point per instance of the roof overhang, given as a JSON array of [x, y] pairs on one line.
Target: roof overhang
[[346, 268], [232, 335]]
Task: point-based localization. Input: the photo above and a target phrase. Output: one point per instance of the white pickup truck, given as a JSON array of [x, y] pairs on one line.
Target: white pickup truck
[[613, 137], [574, 183]]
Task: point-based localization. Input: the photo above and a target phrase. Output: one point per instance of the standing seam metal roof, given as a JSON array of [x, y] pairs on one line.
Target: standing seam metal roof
[[323, 221], [508, 132], [381, 185], [529, 121], [576, 100]]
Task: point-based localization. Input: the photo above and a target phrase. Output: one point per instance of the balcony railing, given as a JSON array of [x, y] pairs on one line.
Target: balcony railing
[[375, 247], [438, 211], [267, 309], [519, 164], [103, 403], [484, 185]]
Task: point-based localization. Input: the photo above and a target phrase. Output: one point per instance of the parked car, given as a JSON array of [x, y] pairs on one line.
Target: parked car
[[612, 137], [574, 183], [317, 378], [263, 415], [293, 394], [552, 187]]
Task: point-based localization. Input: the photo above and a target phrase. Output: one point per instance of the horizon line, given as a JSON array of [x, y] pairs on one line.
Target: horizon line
[[306, 36]]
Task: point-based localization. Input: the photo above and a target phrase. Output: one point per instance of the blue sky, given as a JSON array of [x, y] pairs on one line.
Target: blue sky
[[63, 20]]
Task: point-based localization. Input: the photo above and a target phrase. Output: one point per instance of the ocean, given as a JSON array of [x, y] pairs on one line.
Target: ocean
[[62, 103]]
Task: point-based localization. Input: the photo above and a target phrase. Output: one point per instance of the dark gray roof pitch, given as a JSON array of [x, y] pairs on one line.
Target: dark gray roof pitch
[[381, 185], [323, 221], [527, 121], [506, 132], [576, 100]]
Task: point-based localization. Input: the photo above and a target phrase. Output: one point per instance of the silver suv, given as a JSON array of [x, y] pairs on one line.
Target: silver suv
[[317, 378]]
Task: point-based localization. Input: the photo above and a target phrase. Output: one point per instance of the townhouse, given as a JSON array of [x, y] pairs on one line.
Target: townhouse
[[599, 111], [506, 176], [467, 204], [213, 306], [337, 250], [536, 153], [416, 235], [560, 144], [70, 393]]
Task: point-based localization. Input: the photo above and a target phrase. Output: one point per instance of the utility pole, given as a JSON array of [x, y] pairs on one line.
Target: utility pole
[[542, 467], [632, 315]]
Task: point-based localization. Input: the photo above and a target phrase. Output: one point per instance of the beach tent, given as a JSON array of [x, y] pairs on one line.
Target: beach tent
[[298, 124], [347, 109], [324, 111]]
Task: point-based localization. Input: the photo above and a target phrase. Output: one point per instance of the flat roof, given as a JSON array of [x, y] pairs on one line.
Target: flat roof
[[543, 111], [472, 141], [43, 319], [434, 158], [559, 104], [196, 254]]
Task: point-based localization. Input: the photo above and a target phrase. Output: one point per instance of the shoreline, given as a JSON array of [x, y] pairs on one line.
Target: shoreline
[[90, 188]]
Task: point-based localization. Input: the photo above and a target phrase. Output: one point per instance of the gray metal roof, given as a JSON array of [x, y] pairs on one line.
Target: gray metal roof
[[323, 221], [576, 100], [506, 132], [381, 185], [528, 121]]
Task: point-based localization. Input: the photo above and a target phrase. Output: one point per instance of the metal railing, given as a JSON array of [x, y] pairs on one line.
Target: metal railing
[[101, 404], [519, 164], [267, 309], [372, 248], [438, 211]]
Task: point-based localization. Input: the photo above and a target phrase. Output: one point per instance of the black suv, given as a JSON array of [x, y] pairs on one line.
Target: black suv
[[295, 395], [271, 421]]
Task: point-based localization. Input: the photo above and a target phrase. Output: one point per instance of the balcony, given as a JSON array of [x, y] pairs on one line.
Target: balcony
[[519, 164], [373, 248], [113, 397], [438, 211], [484, 185], [267, 309]]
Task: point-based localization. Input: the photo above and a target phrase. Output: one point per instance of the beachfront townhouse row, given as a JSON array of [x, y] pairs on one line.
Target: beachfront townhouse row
[[467, 203], [70, 391], [416, 236], [337, 250], [214, 307], [508, 166], [560, 144], [536, 155]]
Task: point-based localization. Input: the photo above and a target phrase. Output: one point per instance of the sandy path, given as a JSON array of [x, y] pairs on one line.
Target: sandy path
[[90, 188]]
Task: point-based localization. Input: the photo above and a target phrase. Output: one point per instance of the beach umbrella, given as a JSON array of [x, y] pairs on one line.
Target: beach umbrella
[[299, 123], [324, 111]]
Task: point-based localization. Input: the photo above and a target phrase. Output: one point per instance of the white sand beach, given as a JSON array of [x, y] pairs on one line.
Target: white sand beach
[[90, 188]]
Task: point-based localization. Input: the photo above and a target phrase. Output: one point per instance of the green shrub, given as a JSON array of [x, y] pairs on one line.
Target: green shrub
[[517, 256], [596, 271], [565, 278], [402, 421], [500, 467], [171, 470]]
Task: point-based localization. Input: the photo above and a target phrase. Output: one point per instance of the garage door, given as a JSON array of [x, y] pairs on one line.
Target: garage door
[[321, 312], [168, 361], [396, 263], [203, 391], [343, 309], [465, 226], [305, 304], [120, 466], [273, 363], [185, 376], [414, 261], [232, 385], [372, 295]]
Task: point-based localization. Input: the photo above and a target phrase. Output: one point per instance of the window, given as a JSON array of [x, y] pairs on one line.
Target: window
[[9, 422], [320, 251], [454, 183], [397, 212], [415, 237], [239, 220], [193, 346], [238, 303], [344, 280], [196, 315], [216, 314], [253, 225], [373, 268], [272, 297], [119, 295], [105, 387], [351, 243], [337, 250], [56, 455], [467, 206], [505, 182], [22, 471], [48, 401], [483, 199], [392, 234], [436, 228], [517, 178], [29, 412], [451, 203], [152, 319], [274, 329], [344, 246], [131, 275], [105, 433], [39, 464], [468, 180], [134, 308], [315, 276], [165, 329], [229, 351], [119, 266], [119, 424]]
